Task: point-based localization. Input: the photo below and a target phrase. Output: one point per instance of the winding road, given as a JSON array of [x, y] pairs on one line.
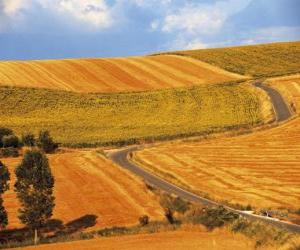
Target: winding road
[[120, 157]]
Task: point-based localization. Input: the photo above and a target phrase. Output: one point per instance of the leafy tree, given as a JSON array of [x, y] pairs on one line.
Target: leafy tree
[[34, 188], [46, 143], [4, 186], [4, 132], [10, 141], [28, 139]]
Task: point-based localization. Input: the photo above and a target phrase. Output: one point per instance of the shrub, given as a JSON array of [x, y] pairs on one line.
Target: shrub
[[28, 139], [10, 141], [9, 152], [46, 143], [144, 220], [175, 204], [4, 132]]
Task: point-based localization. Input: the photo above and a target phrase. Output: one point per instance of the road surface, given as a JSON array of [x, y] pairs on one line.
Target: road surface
[[280, 107], [120, 157]]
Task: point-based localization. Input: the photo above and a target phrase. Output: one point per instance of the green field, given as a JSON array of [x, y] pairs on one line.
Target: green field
[[77, 119], [258, 60]]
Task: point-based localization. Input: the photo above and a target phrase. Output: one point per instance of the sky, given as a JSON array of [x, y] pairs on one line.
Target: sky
[[46, 29]]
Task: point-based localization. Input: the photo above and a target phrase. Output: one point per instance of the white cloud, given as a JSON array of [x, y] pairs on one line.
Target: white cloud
[[93, 13], [192, 21]]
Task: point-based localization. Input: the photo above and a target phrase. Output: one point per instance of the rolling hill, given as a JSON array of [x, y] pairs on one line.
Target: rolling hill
[[112, 75], [257, 60], [81, 119], [260, 169]]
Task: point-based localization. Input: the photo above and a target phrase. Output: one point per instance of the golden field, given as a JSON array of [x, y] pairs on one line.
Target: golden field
[[255, 60], [261, 169], [112, 75], [80, 119], [179, 240], [86, 183]]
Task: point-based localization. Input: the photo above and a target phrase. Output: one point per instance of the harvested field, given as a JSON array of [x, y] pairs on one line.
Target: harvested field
[[261, 169], [80, 119], [256, 60], [88, 184], [180, 240], [112, 75]]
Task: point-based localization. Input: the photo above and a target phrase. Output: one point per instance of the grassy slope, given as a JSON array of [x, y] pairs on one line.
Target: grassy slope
[[258, 60], [75, 118], [113, 74]]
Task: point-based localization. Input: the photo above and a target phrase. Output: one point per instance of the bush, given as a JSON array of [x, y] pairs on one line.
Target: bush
[[175, 204], [46, 143], [4, 132], [169, 215], [9, 152], [144, 220], [10, 141], [28, 139]]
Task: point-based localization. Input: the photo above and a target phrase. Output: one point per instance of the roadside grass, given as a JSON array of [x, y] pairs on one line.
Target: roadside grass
[[195, 217], [87, 120], [257, 60]]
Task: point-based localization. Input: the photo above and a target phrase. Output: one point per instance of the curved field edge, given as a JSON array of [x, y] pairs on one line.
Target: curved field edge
[[264, 60], [81, 120], [107, 75]]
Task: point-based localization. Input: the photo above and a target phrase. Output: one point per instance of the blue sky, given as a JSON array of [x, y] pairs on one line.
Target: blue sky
[[42, 29]]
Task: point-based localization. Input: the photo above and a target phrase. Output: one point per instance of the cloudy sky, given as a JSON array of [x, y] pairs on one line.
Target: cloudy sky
[[41, 29]]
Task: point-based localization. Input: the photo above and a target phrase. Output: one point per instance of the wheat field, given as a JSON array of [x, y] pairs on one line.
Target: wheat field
[[102, 189], [112, 75], [80, 119], [261, 169]]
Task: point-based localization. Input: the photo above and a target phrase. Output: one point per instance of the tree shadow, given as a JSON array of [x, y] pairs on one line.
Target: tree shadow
[[53, 228]]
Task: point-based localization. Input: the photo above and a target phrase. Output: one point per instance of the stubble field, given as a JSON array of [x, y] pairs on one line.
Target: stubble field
[[112, 75], [89, 187]]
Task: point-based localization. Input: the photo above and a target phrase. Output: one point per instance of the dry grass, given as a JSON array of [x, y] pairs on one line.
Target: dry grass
[[112, 75], [77, 119], [179, 240], [258, 60], [89, 184]]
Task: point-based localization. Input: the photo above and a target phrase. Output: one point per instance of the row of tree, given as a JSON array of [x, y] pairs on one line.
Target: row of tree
[[44, 141]]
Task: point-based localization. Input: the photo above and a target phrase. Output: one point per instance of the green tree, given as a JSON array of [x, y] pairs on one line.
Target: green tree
[[4, 186], [34, 188], [28, 139], [10, 141], [4, 132], [46, 143]]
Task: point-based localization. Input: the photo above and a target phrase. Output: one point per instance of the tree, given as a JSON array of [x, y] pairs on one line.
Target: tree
[[4, 132], [4, 186], [34, 188], [28, 139], [10, 141], [46, 143]]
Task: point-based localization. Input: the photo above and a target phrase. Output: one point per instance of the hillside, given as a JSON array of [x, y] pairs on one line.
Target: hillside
[[260, 169], [220, 240], [112, 75], [256, 60], [91, 193], [99, 119]]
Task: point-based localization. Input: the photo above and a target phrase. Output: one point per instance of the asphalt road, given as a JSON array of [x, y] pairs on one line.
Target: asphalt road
[[280, 107], [120, 157]]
